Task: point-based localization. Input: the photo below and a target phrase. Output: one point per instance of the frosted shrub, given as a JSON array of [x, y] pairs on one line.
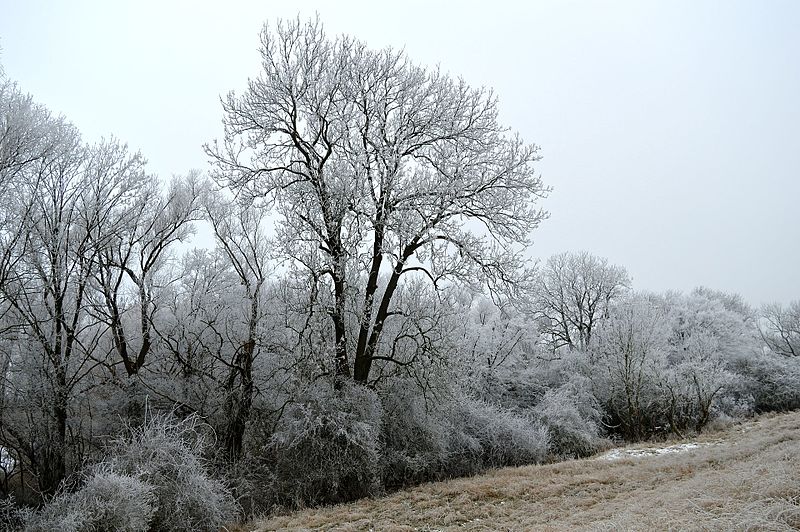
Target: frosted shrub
[[417, 438], [520, 384], [506, 438], [772, 381], [452, 435], [629, 351], [572, 417], [166, 453], [12, 517], [325, 449], [108, 501]]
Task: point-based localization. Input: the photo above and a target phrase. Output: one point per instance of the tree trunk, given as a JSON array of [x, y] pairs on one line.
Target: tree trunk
[[52, 468], [239, 402], [363, 362]]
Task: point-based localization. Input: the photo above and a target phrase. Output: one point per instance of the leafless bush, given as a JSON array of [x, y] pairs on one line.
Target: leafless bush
[[325, 449], [572, 417], [167, 454], [12, 517], [452, 435], [772, 382], [415, 438], [505, 437], [108, 501]]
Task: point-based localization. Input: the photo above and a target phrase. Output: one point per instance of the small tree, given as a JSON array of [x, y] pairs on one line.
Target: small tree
[[712, 337], [143, 224], [630, 349], [240, 235]]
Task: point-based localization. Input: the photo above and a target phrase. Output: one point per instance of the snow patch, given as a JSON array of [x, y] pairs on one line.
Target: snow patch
[[7, 462], [618, 454]]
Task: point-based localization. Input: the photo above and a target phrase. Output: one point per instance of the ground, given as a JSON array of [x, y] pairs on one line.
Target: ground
[[745, 477]]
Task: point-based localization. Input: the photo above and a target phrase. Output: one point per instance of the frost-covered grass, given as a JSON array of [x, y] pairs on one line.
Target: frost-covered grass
[[746, 477]]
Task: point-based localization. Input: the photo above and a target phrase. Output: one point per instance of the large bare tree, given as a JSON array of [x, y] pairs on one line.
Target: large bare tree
[[379, 167]]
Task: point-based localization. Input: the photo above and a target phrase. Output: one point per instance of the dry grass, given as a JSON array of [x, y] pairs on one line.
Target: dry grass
[[748, 479]]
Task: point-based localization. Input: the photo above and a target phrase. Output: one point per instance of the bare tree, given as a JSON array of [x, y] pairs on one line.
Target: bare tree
[[29, 134], [572, 293], [240, 234], [75, 202], [381, 166], [142, 223], [46, 293], [781, 328], [630, 349], [196, 335]]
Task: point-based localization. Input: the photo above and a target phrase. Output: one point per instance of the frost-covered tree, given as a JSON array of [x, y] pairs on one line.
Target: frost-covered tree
[[29, 135], [377, 165], [629, 349], [572, 294], [141, 225], [47, 293], [781, 328], [495, 347], [712, 338], [240, 235]]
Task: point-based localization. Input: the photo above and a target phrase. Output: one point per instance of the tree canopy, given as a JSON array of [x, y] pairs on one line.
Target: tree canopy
[[377, 166]]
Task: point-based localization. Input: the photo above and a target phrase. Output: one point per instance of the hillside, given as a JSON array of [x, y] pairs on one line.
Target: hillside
[[746, 477]]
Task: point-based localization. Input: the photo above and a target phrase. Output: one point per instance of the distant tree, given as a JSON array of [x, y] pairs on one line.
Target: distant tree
[[197, 333], [731, 302], [380, 166], [240, 234], [712, 336], [494, 345], [629, 349], [780, 328], [142, 224], [572, 294]]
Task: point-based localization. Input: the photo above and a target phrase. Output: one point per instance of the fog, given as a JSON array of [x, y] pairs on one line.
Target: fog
[[669, 130]]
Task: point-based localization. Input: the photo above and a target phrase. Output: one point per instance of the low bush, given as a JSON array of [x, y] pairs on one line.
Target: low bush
[[453, 435], [167, 454], [416, 438], [153, 479], [107, 501], [505, 438], [772, 382], [12, 517], [573, 417], [325, 448]]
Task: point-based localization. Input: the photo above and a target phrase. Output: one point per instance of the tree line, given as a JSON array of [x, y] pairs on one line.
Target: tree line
[[365, 319]]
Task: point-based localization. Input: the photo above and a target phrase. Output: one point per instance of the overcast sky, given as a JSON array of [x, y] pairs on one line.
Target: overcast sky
[[670, 130]]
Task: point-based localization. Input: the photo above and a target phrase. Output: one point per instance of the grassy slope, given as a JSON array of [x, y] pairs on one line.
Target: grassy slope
[[748, 478]]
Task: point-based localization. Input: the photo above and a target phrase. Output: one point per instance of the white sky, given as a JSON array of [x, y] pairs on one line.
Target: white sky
[[670, 130]]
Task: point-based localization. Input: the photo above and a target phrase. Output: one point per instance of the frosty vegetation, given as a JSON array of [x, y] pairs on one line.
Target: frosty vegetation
[[365, 320]]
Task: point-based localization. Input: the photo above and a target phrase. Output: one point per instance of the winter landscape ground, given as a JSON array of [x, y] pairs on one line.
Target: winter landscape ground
[[744, 477]]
